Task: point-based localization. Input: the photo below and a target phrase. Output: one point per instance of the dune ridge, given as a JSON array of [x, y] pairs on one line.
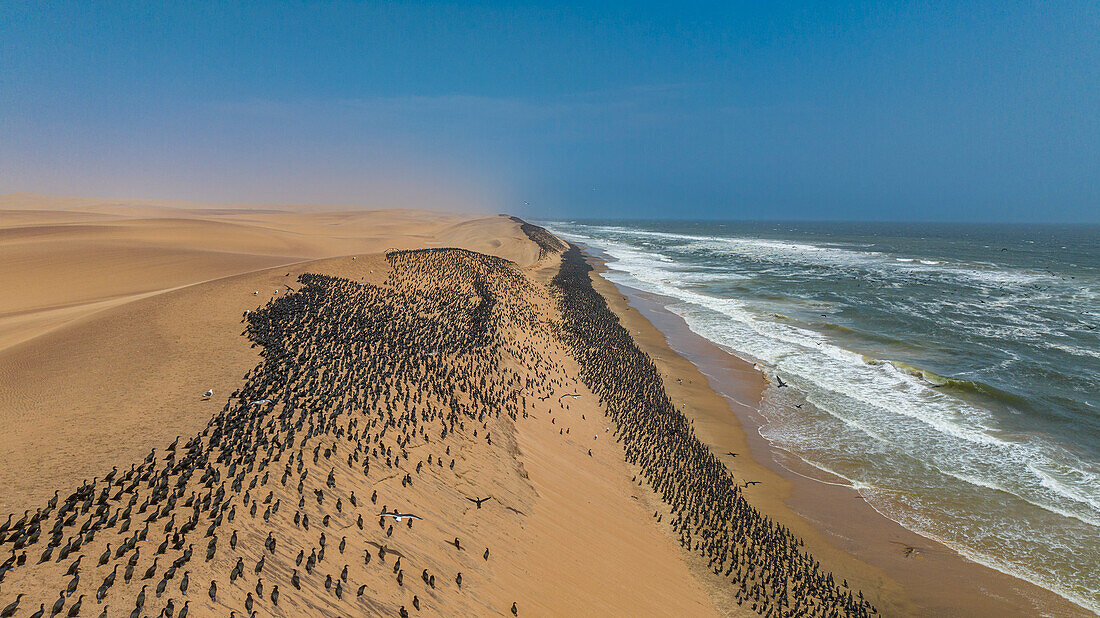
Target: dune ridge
[[535, 509], [413, 380]]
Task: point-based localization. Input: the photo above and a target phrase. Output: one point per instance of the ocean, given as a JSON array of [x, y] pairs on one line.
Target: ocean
[[952, 371]]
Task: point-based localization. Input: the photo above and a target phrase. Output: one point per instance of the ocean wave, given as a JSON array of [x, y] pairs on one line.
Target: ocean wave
[[955, 385], [895, 406], [785, 251], [1021, 497]]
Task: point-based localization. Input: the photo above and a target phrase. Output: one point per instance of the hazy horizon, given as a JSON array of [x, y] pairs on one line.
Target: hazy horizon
[[906, 112]]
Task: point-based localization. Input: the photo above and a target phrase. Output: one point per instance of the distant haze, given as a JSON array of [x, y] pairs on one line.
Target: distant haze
[[734, 110]]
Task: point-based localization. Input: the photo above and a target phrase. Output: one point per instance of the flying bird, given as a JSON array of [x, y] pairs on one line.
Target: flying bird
[[398, 517], [478, 501]]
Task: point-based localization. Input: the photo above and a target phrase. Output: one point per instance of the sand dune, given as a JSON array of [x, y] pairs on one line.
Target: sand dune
[[119, 314], [124, 370], [84, 334], [66, 258]]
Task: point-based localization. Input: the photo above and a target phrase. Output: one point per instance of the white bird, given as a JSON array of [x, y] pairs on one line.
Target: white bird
[[209, 393], [256, 292], [398, 516], [259, 401]]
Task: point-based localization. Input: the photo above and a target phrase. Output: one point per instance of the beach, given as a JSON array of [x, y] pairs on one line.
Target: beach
[[933, 580], [257, 397], [940, 374]]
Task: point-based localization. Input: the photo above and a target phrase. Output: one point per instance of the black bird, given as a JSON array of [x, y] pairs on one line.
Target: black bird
[[75, 609], [9, 611], [478, 501]]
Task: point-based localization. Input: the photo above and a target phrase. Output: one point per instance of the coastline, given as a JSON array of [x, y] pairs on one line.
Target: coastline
[[569, 532], [723, 393]]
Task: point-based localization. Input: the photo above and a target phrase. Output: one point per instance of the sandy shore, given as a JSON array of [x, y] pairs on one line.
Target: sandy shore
[[840, 528], [124, 313]]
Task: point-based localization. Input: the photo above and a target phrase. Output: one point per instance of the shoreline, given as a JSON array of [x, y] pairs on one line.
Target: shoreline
[[933, 581]]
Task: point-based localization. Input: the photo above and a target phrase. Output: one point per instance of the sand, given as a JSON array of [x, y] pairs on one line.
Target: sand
[[119, 314], [123, 316], [84, 278]]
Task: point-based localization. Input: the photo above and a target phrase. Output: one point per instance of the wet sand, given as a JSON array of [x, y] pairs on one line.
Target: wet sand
[[934, 580]]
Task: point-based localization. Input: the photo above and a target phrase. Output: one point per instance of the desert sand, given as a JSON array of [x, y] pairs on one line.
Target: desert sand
[[355, 372], [122, 316]]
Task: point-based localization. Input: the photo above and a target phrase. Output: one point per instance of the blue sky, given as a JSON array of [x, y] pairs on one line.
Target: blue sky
[[758, 110]]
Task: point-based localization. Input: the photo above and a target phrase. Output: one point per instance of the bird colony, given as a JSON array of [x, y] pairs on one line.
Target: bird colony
[[318, 488]]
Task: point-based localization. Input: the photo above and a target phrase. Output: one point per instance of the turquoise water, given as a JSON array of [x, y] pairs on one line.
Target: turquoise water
[[953, 370]]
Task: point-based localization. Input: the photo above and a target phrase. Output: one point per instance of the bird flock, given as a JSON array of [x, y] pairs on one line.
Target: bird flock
[[763, 560], [315, 489]]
